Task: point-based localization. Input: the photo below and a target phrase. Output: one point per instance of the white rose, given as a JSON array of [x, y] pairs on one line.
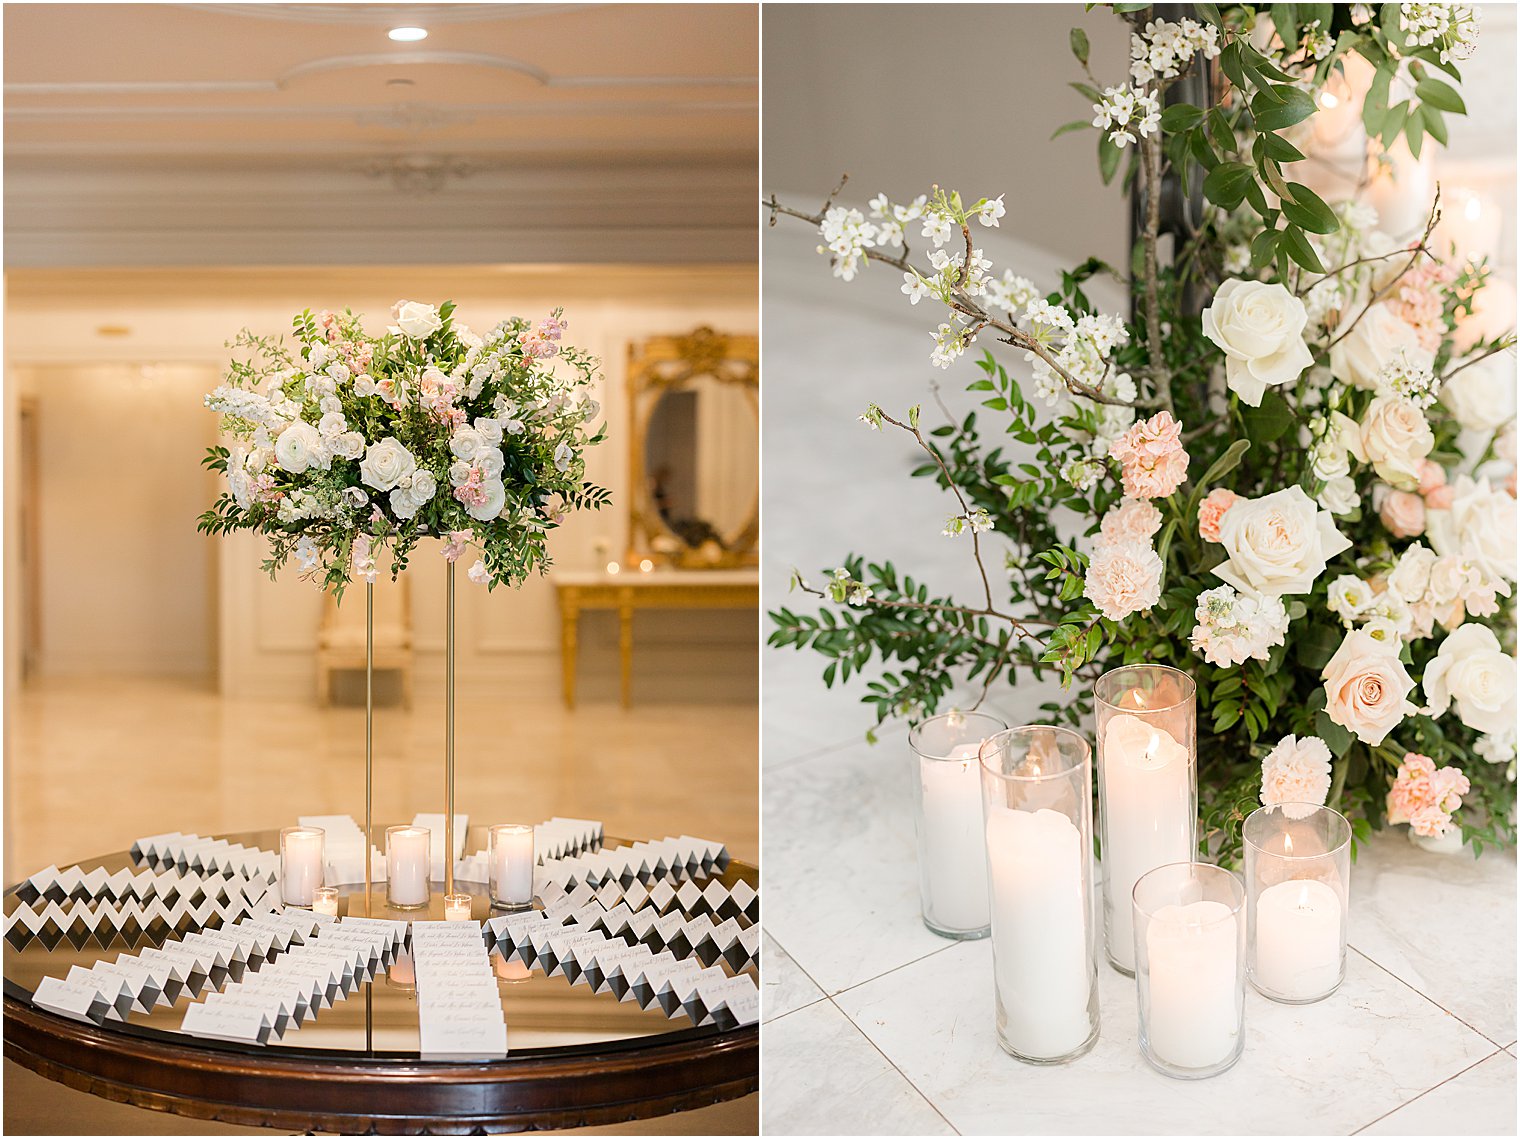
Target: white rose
[[466, 443], [1395, 438], [1480, 396], [1339, 495], [1411, 577], [495, 499], [332, 423], [1480, 525], [237, 478], [1277, 544], [417, 320], [1449, 576], [1260, 329], [459, 473], [364, 385], [349, 445], [1471, 669], [1360, 355], [465, 336], [386, 463], [404, 504], [298, 447], [424, 485], [490, 430], [491, 463], [1366, 687]]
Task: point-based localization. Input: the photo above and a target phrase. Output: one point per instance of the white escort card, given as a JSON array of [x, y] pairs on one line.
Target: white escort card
[[190, 902], [458, 1003], [343, 850], [434, 824], [556, 838], [683, 857], [206, 856]]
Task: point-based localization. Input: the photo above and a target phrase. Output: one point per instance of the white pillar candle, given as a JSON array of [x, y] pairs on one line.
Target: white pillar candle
[[952, 863], [325, 901], [1194, 984], [407, 857], [512, 865], [1298, 939], [1147, 798], [456, 907], [1039, 931], [301, 860]]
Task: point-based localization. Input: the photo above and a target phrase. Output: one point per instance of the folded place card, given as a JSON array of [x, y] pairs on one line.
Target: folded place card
[[434, 824], [459, 1010]]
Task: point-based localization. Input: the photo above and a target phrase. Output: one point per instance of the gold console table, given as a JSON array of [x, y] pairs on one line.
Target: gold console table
[[631, 590]]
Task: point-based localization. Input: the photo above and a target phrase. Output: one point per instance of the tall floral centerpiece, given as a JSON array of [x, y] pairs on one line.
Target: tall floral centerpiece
[[352, 447], [1291, 466]]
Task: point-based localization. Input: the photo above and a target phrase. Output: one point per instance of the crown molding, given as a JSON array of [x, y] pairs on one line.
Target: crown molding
[[389, 15], [441, 113]]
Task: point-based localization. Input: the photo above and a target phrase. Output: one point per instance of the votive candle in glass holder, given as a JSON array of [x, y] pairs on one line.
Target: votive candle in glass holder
[[325, 901], [456, 907], [947, 815], [408, 864], [1298, 876], [511, 861], [1147, 787], [1037, 805], [1189, 929], [301, 863]]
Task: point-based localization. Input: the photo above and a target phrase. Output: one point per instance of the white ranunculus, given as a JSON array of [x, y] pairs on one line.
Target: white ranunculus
[[1277, 544], [1474, 671], [466, 443], [1260, 329], [298, 447], [495, 499], [1366, 687], [386, 463], [1360, 355], [1480, 525], [1339, 495], [349, 445], [1480, 396], [416, 320], [490, 462], [1395, 438]]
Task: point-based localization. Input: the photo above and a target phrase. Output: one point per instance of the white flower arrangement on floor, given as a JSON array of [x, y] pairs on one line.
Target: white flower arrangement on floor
[[359, 446], [1293, 469]]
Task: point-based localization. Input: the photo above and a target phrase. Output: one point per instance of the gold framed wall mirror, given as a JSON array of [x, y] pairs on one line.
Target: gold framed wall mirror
[[695, 450]]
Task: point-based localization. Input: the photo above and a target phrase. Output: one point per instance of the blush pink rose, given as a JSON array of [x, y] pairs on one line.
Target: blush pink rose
[[1366, 687], [1403, 513], [1152, 460], [1440, 498], [1212, 510], [1432, 476]]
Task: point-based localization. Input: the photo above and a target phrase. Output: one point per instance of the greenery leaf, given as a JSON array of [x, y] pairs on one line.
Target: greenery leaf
[[1291, 105], [1226, 184], [1079, 46], [1442, 96], [1297, 246], [1180, 117], [1269, 422], [1308, 211]]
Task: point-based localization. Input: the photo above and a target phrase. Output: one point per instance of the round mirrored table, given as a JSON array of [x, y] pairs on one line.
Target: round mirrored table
[[576, 1058]]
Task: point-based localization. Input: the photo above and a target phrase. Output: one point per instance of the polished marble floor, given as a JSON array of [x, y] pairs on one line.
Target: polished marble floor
[[94, 763], [871, 1023]]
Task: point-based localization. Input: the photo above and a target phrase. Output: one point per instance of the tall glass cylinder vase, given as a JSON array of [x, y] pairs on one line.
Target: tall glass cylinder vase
[[302, 862], [1147, 787], [947, 815], [1037, 804], [1298, 874], [1190, 934]]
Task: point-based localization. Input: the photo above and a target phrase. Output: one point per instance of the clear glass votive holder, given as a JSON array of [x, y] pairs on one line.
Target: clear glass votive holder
[[511, 860], [325, 901], [302, 857], [1298, 879], [1147, 786], [408, 867], [1190, 931], [947, 817], [1037, 803], [456, 907]]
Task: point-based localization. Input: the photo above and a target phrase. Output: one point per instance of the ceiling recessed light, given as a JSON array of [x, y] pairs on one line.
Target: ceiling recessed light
[[407, 35]]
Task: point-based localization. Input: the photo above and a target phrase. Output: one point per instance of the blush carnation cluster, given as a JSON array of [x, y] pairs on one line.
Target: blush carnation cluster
[[1425, 796]]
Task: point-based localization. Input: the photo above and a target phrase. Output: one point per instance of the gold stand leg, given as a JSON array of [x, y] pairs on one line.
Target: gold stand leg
[[369, 737], [569, 618], [625, 645], [448, 746]]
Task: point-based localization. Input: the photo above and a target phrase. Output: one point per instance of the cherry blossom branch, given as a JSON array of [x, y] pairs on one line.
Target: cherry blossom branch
[[1414, 256], [966, 305], [1504, 345]]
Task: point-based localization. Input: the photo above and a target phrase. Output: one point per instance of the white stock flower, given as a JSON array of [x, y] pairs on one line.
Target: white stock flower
[[386, 463], [1296, 771], [1232, 627], [1277, 544], [1471, 669], [1260, 329]]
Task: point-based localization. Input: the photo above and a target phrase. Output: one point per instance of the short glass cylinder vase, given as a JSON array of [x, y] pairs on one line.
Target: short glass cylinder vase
[[302, 858], [947, 817], [1147, 787], [1298, 876], [1037, 804], [1190, 939], [408, 867], [511, 862]]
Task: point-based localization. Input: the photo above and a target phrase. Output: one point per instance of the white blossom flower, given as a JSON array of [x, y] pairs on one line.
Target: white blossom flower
[[478, 573], [990, 211], [915, 287], [1233, 626], [1126, 111], [846, 236]]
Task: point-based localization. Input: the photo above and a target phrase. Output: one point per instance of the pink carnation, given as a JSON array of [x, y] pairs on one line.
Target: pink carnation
[[1151, 457], [454, 545], [1133, 520], [1425, 796], [1212, 510], [1123, 578]]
